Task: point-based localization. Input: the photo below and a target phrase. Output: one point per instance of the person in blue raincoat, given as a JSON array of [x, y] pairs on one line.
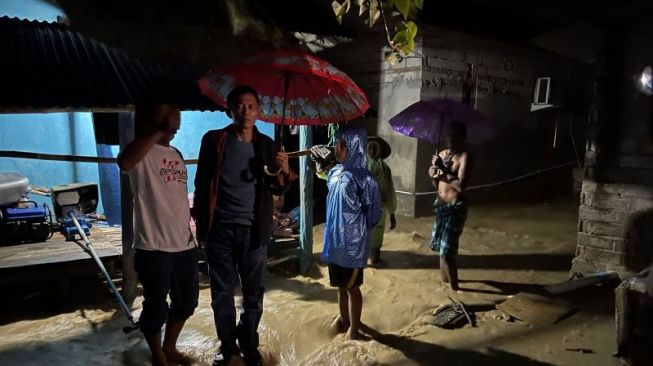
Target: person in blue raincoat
[[353, 209]]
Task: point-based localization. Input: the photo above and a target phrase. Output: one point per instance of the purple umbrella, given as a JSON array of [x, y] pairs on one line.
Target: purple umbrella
[[427, 120]]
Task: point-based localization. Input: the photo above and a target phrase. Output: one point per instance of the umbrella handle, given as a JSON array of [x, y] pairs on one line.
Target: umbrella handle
[[272, 174]]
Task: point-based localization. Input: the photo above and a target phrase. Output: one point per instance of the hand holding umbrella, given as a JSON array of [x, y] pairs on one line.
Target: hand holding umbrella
[[281, 161], [427, 120]]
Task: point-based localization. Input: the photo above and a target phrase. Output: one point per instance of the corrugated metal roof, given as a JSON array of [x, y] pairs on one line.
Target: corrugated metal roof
[[45, 66]]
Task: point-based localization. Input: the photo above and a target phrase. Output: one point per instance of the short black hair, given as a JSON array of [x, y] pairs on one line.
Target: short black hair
[[236, 92], [146, 115], [458, 129]]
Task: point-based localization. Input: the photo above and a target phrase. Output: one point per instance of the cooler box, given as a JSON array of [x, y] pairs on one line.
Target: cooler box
[[13, 187]]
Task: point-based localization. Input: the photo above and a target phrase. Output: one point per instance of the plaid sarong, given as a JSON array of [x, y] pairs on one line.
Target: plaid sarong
[[449, 221]]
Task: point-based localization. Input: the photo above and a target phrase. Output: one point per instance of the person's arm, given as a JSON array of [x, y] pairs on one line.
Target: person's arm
[[206, 165], [282, 182], [371, 201], [649, 282], [136, 150], [390, 195], [433, 171], [459, 181]]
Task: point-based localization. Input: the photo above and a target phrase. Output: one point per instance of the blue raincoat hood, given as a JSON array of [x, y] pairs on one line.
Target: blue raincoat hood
[[356, 141], [353, 204]]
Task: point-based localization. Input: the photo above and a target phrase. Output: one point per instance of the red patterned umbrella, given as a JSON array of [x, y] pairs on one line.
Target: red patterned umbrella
[[295, 88]]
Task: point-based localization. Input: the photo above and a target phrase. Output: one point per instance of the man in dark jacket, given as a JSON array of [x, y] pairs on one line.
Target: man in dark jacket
[[233, 212]]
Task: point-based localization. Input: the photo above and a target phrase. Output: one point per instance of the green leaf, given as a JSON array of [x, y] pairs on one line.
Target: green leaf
[[363, 6], [347, 5], [412, 13], [403, 6], [412, 29], [374, 12], [340, 9], [375, 17], [419, 4], [404, 38]]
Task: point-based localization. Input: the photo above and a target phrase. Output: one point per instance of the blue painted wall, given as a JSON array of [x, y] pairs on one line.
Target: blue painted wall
[[53, 133], [30, 9], [73, 134]]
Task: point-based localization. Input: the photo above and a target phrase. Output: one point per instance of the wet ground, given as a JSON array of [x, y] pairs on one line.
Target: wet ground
[[504, 250]]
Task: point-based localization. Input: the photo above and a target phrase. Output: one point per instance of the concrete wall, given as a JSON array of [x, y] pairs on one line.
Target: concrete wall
[[390, 89], [616, 211], [505, 80], [502, 89]]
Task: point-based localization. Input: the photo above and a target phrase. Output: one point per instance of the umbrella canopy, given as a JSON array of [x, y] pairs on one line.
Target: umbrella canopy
[[427, 120], [295, 88]]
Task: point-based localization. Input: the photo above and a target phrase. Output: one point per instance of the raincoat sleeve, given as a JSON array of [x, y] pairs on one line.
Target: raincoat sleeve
[[389, 194], [371, 202]]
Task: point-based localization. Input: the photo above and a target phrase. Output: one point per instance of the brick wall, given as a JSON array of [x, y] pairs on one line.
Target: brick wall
[[615, 225], [606, 217]]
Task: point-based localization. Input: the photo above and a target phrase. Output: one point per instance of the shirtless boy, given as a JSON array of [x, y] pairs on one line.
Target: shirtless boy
[[449, 172]]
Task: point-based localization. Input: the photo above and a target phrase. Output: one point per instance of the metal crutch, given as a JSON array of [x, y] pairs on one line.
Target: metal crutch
[[87, 246]]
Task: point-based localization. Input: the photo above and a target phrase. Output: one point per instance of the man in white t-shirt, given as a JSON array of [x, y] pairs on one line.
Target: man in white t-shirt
[[165, 256]]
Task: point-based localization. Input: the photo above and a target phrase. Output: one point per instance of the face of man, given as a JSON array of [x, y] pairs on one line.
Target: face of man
[[245, 111], [373, 150], [341, 151], [172, 120]]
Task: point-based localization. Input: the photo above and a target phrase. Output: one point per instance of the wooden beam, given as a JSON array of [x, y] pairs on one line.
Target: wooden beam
[[305, 201], [129, 279]]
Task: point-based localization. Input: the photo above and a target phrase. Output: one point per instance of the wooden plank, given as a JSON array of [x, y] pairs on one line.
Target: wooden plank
[[56, 250], [129, 278], [589, 280], [53, 272], [536, 309]]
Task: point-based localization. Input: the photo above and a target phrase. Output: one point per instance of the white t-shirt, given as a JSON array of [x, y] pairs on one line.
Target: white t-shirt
[[161, 210]]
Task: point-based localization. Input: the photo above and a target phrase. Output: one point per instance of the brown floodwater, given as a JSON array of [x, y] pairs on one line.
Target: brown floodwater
[[504, 250]]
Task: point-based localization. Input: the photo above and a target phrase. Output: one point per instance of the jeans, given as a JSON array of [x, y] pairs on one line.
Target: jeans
[[230, 253]]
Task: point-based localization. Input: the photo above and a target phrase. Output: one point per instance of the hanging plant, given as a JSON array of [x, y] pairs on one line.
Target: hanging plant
[[402, 41]]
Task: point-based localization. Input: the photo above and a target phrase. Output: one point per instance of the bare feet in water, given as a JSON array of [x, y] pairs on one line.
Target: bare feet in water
[[159, 361], [364, 333], [175, 357], [338, 326], [455, 289], [356, 336]]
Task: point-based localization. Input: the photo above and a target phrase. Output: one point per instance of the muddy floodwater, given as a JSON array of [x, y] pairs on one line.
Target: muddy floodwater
[[504, 250]]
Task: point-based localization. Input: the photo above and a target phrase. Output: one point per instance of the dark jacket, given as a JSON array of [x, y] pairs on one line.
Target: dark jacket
[[207, 179]]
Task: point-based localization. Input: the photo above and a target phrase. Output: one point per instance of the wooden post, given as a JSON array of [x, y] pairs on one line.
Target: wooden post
[[305, 201], [126, 134]]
